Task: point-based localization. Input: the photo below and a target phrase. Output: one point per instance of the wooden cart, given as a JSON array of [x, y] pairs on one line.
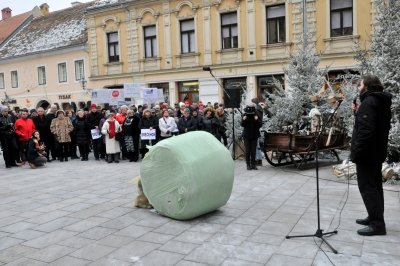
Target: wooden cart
[[284, 149]]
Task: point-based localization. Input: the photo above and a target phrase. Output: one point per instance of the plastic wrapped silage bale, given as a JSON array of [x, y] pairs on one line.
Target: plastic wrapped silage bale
[[188, 175]]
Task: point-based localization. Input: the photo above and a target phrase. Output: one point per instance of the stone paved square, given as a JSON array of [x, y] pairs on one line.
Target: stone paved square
[[82, 213]]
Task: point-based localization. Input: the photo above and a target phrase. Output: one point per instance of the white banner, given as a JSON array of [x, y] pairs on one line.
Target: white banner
[[95, 133], [148, 134], [133, 90], [150, 95], [110, 96]]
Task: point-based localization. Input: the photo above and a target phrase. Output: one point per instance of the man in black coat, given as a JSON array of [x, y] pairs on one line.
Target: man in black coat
[[50, 140], [43, 126], [7, 138], [251, 124], [186, 123], [93, 120], [369, 150]]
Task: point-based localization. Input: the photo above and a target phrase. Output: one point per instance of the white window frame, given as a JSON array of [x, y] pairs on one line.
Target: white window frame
[[81, 70], [14, 83], [229, 25], [2, 86], [65, 74], [188, 33], [41, 76], [155, 52], [328, 19]]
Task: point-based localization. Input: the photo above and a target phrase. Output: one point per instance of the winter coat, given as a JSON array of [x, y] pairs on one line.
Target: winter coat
[[131, 126], [93, 119], [112, 145], [210, 124], [371, 128], [82, 131], [61, 128], [6, 129], [251, 127], [24, 129], [167, 125], [32, 152], [43, 126], [186, 125], [197, 122]]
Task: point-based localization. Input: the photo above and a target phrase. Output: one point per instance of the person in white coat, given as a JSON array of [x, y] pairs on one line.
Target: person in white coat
[[167, 125], [110, 129]]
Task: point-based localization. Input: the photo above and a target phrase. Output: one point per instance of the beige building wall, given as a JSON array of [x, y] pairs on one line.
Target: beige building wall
[[29, 94], [252, 59]]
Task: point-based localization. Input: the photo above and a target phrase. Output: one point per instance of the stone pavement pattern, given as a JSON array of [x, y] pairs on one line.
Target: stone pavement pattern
[[81, 213]]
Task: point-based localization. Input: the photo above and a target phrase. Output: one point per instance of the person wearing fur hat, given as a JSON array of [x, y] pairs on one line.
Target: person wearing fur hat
[[251, 124], [61, 127], [110, 129], [7, 138], [209, 122]]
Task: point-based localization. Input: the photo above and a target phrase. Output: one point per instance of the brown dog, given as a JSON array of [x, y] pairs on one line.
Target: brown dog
[[141, 200]]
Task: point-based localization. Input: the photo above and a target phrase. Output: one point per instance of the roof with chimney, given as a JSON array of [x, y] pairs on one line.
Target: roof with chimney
[[9, 24], [56, 30]]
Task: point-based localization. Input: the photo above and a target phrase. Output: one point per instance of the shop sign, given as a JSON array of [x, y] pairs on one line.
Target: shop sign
[[64, 97]]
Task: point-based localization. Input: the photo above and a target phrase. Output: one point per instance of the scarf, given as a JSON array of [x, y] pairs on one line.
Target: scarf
[[111, 129]]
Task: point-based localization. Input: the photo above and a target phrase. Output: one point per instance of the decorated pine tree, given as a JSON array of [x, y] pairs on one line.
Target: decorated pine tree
[[383, 60], [304, 79]]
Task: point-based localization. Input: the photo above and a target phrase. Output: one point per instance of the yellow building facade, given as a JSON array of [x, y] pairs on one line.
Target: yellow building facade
[[166, 44]]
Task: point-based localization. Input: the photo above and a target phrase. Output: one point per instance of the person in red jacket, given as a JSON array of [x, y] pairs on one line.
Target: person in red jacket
[[24, 128]]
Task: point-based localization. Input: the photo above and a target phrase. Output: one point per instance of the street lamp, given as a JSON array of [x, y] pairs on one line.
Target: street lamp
[[83, 83]]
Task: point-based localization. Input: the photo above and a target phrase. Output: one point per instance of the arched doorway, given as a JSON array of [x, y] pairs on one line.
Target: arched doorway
[[44, 104]]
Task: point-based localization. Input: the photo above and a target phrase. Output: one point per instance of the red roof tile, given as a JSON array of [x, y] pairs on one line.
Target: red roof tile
[[9, 25]]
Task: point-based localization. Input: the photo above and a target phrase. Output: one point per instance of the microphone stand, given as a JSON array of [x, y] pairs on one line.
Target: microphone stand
[[207, 68], [319, 233]]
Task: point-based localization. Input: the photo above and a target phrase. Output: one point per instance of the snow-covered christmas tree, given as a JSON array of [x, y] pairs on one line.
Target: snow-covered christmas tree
[[383, 60]]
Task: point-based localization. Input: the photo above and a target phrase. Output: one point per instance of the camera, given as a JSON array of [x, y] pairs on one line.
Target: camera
[[249, 110]]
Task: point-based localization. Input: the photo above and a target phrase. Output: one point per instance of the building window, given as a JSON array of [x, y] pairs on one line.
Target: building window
[[270, 86], [341, 17], [276, 30], [79, 70], [41, 75], [1, 80], [14, 79], [150, 41], [188, 42], [113, 47], [189, 91], [62, 72], [229, 29]]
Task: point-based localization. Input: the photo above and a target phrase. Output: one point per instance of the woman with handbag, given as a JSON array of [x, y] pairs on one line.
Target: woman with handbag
[[112, 131]]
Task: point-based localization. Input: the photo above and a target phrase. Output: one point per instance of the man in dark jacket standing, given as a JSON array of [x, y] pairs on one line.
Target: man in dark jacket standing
[[251, 124], [7, 138], [93, 120], [369, 150]]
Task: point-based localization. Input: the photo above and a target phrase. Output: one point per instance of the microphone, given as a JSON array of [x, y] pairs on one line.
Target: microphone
[[206, 68]]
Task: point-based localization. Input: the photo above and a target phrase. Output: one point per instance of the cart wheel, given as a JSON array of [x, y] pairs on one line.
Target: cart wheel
[[277, 158]]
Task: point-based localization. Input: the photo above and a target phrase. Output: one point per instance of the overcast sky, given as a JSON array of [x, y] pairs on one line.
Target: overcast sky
[[21, 6]]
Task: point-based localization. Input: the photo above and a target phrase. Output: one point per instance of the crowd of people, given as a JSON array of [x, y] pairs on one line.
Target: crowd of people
[[41, 136]]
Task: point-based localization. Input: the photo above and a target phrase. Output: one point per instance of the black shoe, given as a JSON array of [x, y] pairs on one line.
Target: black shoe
[[254, 167], [110, 161], [83, 159], [14, 165], [370, 231], [116, 161], [249, 167], [74, 157], [61, 159], [8, 166], [66, 159], [365, 221]]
